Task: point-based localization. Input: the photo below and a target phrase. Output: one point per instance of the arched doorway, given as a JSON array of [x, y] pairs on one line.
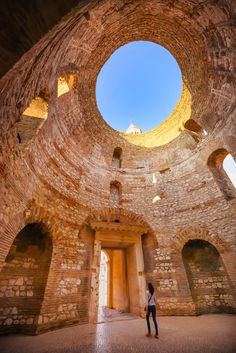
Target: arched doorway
[[23, 279], [208, 280]]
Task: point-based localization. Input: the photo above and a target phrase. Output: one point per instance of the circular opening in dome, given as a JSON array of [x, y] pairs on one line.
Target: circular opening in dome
[[139, 85]]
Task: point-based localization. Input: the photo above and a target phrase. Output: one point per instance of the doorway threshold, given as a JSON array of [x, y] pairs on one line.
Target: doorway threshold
[[106, 314]]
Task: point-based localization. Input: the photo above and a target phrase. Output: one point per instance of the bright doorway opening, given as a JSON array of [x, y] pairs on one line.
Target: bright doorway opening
[[103, 280]]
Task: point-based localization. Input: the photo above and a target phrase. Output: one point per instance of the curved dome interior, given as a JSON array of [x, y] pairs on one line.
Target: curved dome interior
[[161, 198]]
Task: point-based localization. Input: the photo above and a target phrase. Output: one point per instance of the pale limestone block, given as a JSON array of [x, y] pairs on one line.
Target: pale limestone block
[[19, 281], [8, 321]]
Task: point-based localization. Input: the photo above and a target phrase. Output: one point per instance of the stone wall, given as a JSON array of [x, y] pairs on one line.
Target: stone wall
[[209, 282], [63, 176], [23, 279]]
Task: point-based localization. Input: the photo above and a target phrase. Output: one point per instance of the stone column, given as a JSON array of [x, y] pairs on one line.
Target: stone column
[[141, 275], [93, 310]]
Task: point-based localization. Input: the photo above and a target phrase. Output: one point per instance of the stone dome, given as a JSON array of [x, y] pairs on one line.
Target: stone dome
[[159, 202]]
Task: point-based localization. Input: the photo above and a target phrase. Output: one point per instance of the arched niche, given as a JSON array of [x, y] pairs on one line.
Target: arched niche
[[195, 129], [23, 279], [33, 117], [209, 283], [116, 158], [66, 83], [115, 192], [215, 164]]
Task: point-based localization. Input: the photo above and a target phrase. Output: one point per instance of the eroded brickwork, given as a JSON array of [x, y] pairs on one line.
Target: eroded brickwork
[[209, 282], [61, 178], [23, 278]]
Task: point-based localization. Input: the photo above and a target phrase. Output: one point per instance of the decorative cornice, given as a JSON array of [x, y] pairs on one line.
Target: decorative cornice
[[118, 227]]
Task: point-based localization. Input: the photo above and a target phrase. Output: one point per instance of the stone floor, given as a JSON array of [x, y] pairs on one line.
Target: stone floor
[[202, 334], [106, 314]]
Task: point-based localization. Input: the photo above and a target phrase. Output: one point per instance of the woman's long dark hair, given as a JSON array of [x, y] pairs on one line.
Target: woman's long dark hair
[[150, 288]]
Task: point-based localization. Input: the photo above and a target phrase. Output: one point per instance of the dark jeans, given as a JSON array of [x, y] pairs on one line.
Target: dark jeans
[[152, 309]]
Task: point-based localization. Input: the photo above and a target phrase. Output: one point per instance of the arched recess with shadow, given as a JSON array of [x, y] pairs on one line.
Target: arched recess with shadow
[[215, 164], [210, 286], [67, 82], [23, 279], [116, 158], [115, 192], [195, 129], [33, 118]]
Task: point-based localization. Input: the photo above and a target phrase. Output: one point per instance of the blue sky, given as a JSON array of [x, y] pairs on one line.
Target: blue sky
[[141, 82], [229, 166]]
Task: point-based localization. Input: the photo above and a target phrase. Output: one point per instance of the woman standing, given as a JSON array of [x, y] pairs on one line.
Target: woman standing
[[151, 308]]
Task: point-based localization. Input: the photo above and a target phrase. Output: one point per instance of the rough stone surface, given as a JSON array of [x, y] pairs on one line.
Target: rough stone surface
[[38, 17], [61, 177], [207, 333]]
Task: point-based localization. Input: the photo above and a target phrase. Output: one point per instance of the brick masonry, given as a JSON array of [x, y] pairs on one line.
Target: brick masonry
[[61, 176]]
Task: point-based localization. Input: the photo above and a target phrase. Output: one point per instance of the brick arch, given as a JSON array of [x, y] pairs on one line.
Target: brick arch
[[23, 277], [199, 232], [209, 282], [117, 157], [149, 240], [35, 215], [118, 214], [30, 214], [70, 74], [71, 68], [215, 164], [32, 118]]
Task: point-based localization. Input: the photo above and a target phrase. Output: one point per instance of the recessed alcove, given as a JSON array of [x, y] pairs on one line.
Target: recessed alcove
[[115, 192], [208, 280], [33, 117], [23, 279], [224, 178], [66, 83], [116, 158], [197, 132]]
